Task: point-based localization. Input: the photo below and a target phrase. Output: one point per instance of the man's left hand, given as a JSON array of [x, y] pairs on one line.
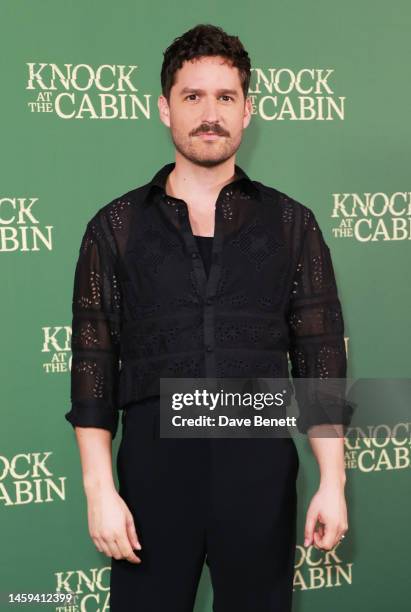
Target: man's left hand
[[329, 508]]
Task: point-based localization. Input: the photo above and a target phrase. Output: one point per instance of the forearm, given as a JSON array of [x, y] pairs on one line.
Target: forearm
[[95, 446], [329, 453]]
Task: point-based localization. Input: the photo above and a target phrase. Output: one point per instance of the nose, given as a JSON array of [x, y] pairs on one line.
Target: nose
[[209, 110]]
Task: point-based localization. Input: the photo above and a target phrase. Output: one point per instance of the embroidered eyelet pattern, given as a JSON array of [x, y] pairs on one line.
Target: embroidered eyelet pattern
[[148, 338], [235, 193], [238, 300], [307, 217], [95, 288], [227, 210], [326, 359], [115, 335], [239, 334], [295, 321], [115, 289], [317, 271], [256, 243], [268, 367], [287, 210], [175, 204], [142, 378], [184, 301], [229, 196], [186, 367], [115, 211], [297, 282], [85, 336], [334, 316], [297, 358], [316, 319], [267, 303], [91, 369], [156, 246]]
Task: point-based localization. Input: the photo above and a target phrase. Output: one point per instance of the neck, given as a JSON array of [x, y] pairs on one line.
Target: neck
[[188, 180]]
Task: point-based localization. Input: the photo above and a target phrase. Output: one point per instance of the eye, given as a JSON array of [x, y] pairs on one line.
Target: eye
[[192, 96]]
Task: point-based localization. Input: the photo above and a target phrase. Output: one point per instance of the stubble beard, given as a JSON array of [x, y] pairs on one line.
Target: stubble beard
[[196, 151]]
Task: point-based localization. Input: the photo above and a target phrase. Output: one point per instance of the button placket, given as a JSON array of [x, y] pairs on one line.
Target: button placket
[[211, 288], [207, 287]]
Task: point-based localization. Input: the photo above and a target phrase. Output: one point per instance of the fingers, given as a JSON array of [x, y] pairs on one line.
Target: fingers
[[120, 545], [131, 532], [309, 528], [102, 545], [126, 549], [327, 536], [115, 549], [113, 532], [117, 546]]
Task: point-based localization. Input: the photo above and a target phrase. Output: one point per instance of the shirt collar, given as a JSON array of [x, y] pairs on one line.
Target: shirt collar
[[159, 181]]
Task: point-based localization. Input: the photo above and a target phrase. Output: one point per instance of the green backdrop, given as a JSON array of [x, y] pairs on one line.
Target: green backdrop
[[331, 128]]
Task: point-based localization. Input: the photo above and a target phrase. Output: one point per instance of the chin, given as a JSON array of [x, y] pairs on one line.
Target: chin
[[210, 160]]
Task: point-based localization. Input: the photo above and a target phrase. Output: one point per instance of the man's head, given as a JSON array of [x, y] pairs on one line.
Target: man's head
[[205, 78]]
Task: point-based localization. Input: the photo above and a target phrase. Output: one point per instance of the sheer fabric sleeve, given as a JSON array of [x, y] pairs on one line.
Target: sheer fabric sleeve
[[96, 306], [316, 330]]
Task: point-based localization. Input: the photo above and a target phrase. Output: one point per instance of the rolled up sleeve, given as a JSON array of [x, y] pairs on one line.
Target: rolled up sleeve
[[95, 340], [316, 331]]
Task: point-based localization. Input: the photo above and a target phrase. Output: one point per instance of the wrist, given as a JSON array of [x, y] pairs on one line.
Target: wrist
[[335, 479], [94, 486]]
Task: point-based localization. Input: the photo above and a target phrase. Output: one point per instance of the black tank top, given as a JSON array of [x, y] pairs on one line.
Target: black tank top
[[205, 244]]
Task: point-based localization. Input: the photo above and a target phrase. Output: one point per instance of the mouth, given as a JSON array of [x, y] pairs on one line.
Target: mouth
[[209, 135]]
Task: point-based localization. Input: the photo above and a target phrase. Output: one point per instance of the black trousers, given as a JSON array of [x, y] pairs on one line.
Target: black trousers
[[228, 502]]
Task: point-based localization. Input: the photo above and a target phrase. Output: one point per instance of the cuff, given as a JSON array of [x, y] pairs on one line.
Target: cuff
[[93, 414]]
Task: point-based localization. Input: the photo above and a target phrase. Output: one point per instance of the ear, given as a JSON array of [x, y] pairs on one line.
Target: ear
[[248, 109], [164, 110]]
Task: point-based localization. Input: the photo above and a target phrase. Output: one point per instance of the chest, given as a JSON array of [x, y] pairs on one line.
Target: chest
[[249, 263]]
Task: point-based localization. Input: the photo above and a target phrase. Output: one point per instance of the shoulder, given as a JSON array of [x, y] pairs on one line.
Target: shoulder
[[110, 224], [117, 209], [293, 211]]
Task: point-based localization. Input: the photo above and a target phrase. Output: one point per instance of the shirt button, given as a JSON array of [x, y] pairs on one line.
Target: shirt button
[[209, 348], [209, 301], [194, 255]]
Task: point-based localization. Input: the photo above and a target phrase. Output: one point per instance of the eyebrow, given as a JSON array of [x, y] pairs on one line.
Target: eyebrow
[[192, 90]]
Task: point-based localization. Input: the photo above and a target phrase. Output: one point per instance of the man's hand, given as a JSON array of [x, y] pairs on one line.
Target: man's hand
[[328, 506], [110, 522], [111, 525]]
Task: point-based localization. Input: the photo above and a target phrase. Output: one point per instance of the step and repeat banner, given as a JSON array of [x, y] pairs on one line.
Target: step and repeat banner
[[79, 122]]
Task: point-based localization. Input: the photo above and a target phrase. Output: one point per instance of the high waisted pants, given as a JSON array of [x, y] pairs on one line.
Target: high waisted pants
[[228, 502]]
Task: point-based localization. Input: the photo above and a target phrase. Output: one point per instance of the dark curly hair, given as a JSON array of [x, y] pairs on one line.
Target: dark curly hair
[[204, 40]]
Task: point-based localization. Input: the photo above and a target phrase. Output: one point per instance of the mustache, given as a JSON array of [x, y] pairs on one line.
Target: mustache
[[214, 128]]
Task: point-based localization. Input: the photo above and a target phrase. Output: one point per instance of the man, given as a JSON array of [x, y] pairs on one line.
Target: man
[[150, 295]]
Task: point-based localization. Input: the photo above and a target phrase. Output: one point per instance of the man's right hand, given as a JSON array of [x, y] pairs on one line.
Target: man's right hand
[[111, 525]]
